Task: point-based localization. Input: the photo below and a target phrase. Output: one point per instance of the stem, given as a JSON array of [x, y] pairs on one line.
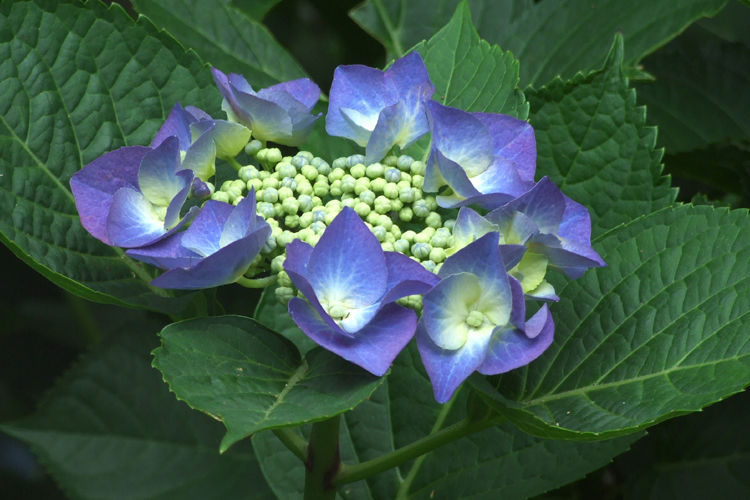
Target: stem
[[352, 473], [256, 283], [293, 441], [323, 460], [82, 313], [235, 164]]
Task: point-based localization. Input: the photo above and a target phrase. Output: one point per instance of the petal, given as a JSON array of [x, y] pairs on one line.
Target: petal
[[157, 177], [175, 206], [572, 258], [303, 90], [132, 220], [360, 126], [512, 139], [240, 83], [406, 277], [177, 124], [220, 268], [482, 259], [373, 348], [511, 349], [455, 176], [460, 137], [518, 313], [544, 204], [268, 120], [433, 179], [168, 253], [348, 265], [241, 222], [95, 185], [358, 318], [486, 201], [203, 235], [229, 138], [410, 81], [362, 90], [201, 158], [446, 307], [512, 255], [500, 177], [544, 291], [576, 222], [198, 113], [469, 227], [397, 125], [447, 369]]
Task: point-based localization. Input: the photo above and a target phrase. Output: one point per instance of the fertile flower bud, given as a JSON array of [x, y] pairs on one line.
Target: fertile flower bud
[[300, 161], [220, 196], [305, 220], [421, 209], [362, 209], [437, 255], [269, 246], [417, 181], [385, 221], [406, 195], [339, 163], [421, 250], [358, 171], [434, 220], [283, 279], [284, 295], [409, 236], [418, 168], [391, 161], [348, 183], [397, 205], [253, 147], [354, 159], [404, 162], [392, 175], [288, 182], [379, 232], [378, 184], [285, 238], [362, 185], [375, 170], [336, 174], [318, 227], [401, 246], [270, 195], [391, 191], [291, 206], [271, 182], [247, 173], [277, 264], [305, 202], [429, 265]]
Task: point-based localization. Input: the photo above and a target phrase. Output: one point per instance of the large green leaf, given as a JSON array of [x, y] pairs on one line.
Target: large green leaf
[[255, 9], [705, 455], [224, 37], [725, 167], [662, 331], [276, 317], [110, 429], [700, 93], [486, 466], [252, 378], [76, 82], [550, 38], [593, 142]]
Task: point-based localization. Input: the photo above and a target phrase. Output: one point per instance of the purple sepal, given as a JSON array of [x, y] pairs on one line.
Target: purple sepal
[[380, 109], [374, 347], [177, 124], [512, 255], [419, 281], [166, 254], [446, 368], [512, 348], [280, 113]]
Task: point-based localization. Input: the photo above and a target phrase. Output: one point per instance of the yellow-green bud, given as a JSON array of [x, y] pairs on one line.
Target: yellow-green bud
[[284, 280], [336, 174], [292, 221], [367, 196], [348, 183], [286, 170], [372, 218], [318, 227], [354, 159], [220, 196], [385, 222], [305, 220], [406, 214], [279, 209], [409, 236], [437, 255], [434, 220], [336, 188], [284, 295], [273, 156], [401, 246], [358, 171], [306, 154], [247, 173], [389, 238], [404, 162], [271, 182], [349, 201], [393, 175], [263, 175], [237, 200], [406, 195], [321, 166], [253, 147], [421, 209], [362, 209], [449, 224], [300, 161], [382, 205], [291, 206], [270, 195], [317, 202], [276, 230], [417, 181], [391, 191], [277, 264], [387, 246], [397, 205], [339, 163], [239, 184], [305, 188], [305, 234], [329, 218], [375, 170], [396, 231], [429, 265], [310, 172], [429, 231], [431, 202], [285, 238], [362, 185], [266, 210], [233, 193], [288, 182], [417, 168], [305, 202], [421, 250], [284, 193], [379, 233], [378, 184], [256, 184], [391, 161], [437, 268]]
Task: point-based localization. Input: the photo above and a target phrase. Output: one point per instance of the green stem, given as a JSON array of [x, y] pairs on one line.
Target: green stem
[[323, 460], [352, 473], [235, 164], [293, 441], [256, 283], [81, 311]]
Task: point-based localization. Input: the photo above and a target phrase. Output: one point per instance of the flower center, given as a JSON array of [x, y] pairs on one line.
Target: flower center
[[475, 319]]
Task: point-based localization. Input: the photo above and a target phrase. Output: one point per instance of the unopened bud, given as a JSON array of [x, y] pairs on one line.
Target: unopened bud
[[434, 220], [256, 184], [354, 159], [292, 221], [404, 162], [318, 227], [429, 265], [284, 295], [378, 184], [406, 214], [286, 170], [305, 202], [310, 172], [253, 147], [220, 196], [321, 165], [288, 182], [417, 168], [375, 170], [391, 161], [421, 209], [349, 201], [362, 209], [406, 195], [300, 161], [339, 163], [321, 189], [277, 264], [417, 181], [271, 182], [396, 231], [386, 222], [393, 175], [437, 255], [421, 250], [387, 246], [409, 236], [273, 156], [401, 246], [379, 232], [382, 205], [397, 205], [269, 246], [237, 200], [291, 206], [270, 195], [358, 171], [391, 190], [284, 280], [247, 173], [305, 220]]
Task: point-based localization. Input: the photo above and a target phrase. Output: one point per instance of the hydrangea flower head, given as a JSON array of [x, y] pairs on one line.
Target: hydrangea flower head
[[380, 109], [484, 158], [280, 113], [350, 285], [216, 249], [202, 139], [132, 197], [474, 320]]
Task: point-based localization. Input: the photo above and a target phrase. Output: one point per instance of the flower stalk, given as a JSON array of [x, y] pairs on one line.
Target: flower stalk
[[323, 460]]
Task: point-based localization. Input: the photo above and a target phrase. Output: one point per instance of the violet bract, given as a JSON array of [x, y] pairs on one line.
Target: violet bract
[[351, 285], [484, 158], [132, 197], [280, 113], [380, 109], [216, 249], [474, 320]]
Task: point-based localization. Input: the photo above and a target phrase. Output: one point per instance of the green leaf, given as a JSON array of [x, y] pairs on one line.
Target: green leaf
[[486, 466], [725, 167], [111, 429], [225, 38], [255, 9], [276, 317], [700, 93], [705, 455], [77, 81], [593, 142], [550, 38], [251, 378], [662, 331]]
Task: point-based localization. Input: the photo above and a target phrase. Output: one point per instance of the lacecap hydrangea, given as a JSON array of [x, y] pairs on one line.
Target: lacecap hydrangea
[[366, 251]]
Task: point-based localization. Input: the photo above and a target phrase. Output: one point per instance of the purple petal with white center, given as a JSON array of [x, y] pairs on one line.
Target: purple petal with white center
[[296, 110], [512, 139], [267, 120], [157, 176], [397, 125], [482, 259], [360, 126], [303, 90], [201, 158], [225, 85], [455, 176], [94, 186], [362, 90], [446, 307], [132, 220], [203, 235], [241, 222], [510, 349], [168, 253], [500, 177], [406, 277], [460, 137], [358, 318], [512, 255], [221, 268], [544, 204], [177, 124], [448, 369], [347, 264], [373, 348], [298, 256]]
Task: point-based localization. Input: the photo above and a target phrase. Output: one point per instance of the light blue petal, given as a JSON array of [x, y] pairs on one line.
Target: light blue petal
[[455, 176], [411, 83], [448, 369], [518, 311], [576, 222], [433, 179], [469, 227], [446, 307], [397, 125], [460, 137], [512, 255], [157, 177], [303, 89], [544, 204], [358, 318], [241, 222], [268, 120], [360, 126], [203, 235], [201, 158], [347, 264], [229, 138], [501, 176], [406, 277], [132, 220], [168, 253]]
